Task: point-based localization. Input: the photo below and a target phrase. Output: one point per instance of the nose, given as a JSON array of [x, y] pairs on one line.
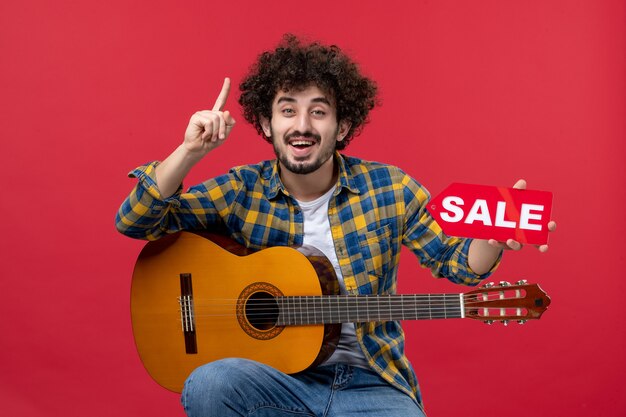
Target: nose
[[304, 122]]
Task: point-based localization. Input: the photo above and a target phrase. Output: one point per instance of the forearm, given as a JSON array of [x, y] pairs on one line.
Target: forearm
[[171, 172], [141, 214], [146, 213], [482, 256]]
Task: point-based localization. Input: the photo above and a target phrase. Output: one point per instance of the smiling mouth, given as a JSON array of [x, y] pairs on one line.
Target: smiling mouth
[[302, 143]]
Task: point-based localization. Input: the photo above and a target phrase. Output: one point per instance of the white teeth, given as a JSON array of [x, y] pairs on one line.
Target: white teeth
[[301, 143]]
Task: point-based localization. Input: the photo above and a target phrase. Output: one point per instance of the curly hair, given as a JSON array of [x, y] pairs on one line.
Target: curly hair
[[295, 65]]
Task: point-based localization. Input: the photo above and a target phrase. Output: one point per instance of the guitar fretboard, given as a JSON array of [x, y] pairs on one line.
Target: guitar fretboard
[[327, 309]]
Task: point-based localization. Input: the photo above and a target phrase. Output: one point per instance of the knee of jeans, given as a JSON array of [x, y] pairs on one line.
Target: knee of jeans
[[213, 386], [221, 375]]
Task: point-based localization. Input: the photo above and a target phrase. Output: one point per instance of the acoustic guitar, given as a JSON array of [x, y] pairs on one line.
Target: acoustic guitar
[[197, 298]]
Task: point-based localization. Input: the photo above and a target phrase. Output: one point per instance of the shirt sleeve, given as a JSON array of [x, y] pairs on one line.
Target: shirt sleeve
[[145, 214], [444, 255]]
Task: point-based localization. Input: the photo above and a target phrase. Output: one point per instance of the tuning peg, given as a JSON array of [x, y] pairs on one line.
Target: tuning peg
[[505, 284], [521, 321], [505, 322], [488, 285], [521, 282], [488, 322]]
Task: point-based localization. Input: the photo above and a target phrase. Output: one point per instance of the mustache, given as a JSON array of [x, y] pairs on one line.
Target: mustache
[[298, 134]]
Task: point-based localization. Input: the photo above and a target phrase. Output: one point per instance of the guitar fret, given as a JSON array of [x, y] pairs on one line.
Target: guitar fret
[[378, 305], [439, 308], [308, 319], [337, 306], [349, 308], [289, 303], [316, 310], [430, 308], [331, 309], [301, 309], [435, 311], [298, 310]]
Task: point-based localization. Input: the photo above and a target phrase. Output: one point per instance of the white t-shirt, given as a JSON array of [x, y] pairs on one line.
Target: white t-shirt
[[317, 234]]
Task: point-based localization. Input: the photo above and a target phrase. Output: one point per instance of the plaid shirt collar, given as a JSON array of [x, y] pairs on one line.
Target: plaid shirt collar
[[346, 179]]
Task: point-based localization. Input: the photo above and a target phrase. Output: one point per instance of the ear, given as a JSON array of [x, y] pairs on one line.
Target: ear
[[344, 128], [265, 125]]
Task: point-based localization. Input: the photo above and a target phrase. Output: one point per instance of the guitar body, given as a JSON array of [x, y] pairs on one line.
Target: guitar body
[[191, 273]]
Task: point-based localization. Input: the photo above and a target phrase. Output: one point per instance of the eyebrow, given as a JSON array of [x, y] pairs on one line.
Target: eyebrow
[[293, 100]]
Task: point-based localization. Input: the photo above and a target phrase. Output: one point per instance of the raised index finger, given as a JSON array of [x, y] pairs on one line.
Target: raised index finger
[[221, 99]]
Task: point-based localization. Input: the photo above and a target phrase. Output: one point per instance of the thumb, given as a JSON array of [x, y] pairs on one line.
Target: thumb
[[229, 120], [520, 184]]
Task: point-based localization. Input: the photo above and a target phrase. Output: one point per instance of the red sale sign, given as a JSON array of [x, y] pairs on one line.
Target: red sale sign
[[486, 212]]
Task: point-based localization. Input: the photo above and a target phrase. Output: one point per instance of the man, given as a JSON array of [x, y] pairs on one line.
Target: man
[[308, 101]]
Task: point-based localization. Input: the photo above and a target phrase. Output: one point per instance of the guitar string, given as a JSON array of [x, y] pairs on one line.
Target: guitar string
[[391, 306], [371, 304], [225, 307], [343, 301], [359, 299], [329, 317], [299, 312], [396, 297], [303, 303], [346, 317], [346, 303]]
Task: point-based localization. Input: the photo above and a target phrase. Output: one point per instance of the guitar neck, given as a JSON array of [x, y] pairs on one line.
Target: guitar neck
[[328, 309]]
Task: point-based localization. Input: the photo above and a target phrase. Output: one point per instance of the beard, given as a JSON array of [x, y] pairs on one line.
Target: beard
[[305, 165]]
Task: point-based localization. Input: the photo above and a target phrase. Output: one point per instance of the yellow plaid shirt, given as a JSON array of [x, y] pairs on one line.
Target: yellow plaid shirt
[[375, 209]]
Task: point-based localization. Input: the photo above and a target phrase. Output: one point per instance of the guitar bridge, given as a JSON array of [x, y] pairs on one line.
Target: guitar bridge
[[187, 315]]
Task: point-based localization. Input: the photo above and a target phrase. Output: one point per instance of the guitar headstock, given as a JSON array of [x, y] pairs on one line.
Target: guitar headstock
[[505, 302]]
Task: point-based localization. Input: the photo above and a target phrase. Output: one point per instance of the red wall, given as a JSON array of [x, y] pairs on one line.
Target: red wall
[[481, 92]]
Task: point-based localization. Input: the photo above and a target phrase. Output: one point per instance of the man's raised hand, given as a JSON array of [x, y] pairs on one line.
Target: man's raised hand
[[513, 244], [208, 129]]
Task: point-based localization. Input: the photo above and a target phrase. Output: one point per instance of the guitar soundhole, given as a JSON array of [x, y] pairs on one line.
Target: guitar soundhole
[[258, 310], [262, 311]]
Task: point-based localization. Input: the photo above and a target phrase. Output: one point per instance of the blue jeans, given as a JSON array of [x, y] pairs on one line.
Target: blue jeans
[[240, 387]]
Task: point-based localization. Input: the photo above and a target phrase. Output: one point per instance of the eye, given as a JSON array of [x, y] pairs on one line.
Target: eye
[[288, 111], [319, 113]]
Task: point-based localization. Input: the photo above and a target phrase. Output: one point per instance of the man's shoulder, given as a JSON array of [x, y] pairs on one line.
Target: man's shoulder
[[368, 174], [254, 172], [358, 166]]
